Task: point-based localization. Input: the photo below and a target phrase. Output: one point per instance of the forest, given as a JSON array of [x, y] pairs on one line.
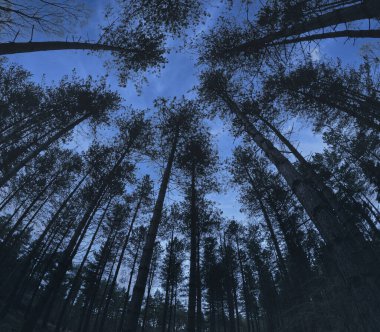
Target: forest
[[190, 165]]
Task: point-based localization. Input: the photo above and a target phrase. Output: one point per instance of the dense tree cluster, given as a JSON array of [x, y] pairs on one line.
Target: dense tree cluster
[[89, 240]]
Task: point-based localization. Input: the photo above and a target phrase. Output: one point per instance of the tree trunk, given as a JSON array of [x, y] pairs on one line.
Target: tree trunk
[[273, 236], [14, 193], [126, 300], [245, 290], [193, 258], [236, 306], [175, 311], [150, 284], [224, 323], [167, 284], [134, 308], [13, 48], [35, 247], [330, 35], [104, 259], [171, 308], [199, 285], [12, 298]]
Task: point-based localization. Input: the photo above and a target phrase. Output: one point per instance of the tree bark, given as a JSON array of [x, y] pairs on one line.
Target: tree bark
[[13, 48], [150, 284], [171, 308], [167, 284], [330, 35], [193, 258], [245, 290], [199, 284], [134, 308]]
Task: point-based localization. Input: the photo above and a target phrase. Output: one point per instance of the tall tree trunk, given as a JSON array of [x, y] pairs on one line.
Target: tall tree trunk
[[230, 301], [17, 238], [234, 288], [126, 297], [134, 308], [212, 311], [193, 257], [199, 284], [12, 195], [147, 302], [223, 315], [167, 284], [245, 290], [273, 236], [175, 310], [19, 235], [227, 278], [104, 259], [171, 308], [35, 247], [268, 293], [13, 48]]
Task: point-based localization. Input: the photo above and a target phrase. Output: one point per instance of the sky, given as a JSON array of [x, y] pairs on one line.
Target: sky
[[177, 78]]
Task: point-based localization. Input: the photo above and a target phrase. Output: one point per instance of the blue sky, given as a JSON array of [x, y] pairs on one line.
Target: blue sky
[[177, 78]]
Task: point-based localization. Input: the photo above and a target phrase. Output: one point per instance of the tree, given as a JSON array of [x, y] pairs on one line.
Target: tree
[[268, 292], [177, 119], [198, 160], [171, 276], [143, 198]]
